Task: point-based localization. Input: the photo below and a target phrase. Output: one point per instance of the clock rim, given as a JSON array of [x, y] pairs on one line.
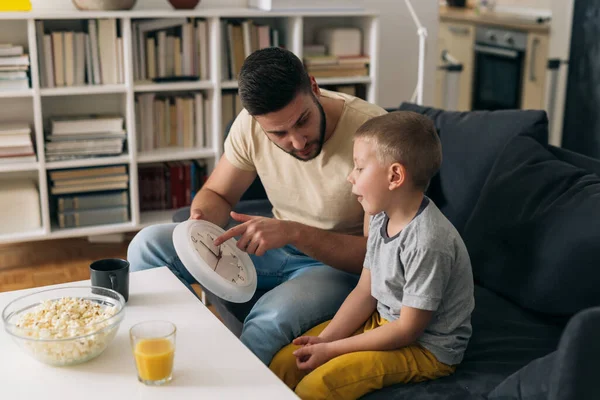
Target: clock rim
[[239, 253], [212, 280]]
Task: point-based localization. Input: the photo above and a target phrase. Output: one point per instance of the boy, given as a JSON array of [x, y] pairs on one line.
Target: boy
[[416, 289]]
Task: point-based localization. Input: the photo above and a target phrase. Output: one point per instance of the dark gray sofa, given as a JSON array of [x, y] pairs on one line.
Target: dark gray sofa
[[529, 214]]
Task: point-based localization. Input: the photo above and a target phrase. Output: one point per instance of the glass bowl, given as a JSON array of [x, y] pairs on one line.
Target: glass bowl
[[65, 326]]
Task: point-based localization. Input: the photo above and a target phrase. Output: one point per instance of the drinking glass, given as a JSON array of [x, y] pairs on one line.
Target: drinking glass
[[153, 345]]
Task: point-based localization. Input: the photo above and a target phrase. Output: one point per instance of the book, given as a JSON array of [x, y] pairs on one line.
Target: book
[[86, 124], [94, 187], [11, 50], [15, 60], [14, 128], [21, 84], [21, 139], [92, 201], [19, 206], [16, 150], [99, 216], [18, 159], [88, 172], [91, 180]]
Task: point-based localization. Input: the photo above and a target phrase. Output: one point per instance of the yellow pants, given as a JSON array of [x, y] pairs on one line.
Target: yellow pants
[[352, 375]]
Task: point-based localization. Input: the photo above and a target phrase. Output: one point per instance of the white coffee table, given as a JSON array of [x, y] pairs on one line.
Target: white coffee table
[[210, 362]]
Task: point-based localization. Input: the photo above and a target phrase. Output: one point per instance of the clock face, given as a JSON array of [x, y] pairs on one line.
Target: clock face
[[224, 270], [222, 259]]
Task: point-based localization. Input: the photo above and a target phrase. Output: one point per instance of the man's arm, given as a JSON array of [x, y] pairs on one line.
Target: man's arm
[[221, 192], [259, 234], [344, 252]]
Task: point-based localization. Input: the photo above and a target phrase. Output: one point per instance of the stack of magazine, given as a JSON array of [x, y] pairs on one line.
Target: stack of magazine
[[90, 196], [84, 137], [16, 143]]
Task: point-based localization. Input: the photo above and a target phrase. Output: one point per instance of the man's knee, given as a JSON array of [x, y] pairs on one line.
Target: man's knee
[[269, 327], [150, 247]]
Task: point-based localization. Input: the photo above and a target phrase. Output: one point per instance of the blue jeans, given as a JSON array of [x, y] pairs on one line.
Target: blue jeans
[[303, 292]]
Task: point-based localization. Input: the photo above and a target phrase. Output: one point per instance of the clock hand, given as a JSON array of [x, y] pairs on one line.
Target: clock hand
[[219, 258], [209, 249]]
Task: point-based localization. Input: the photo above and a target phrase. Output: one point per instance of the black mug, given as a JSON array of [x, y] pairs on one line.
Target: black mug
[[111, 273]]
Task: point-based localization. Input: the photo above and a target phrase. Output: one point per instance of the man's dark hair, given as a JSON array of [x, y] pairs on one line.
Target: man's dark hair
[[270, 79]]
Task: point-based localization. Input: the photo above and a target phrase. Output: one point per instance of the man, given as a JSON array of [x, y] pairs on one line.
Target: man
[[298, 139]]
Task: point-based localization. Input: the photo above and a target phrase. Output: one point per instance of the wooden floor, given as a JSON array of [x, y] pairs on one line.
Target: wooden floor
[[35, 264]]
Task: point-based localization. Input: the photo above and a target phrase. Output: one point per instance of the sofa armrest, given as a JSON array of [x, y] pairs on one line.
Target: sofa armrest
[[569, 373], [575, 372]]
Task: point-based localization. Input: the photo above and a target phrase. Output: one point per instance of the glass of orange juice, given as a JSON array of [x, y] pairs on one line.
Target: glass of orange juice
[[153, 344]]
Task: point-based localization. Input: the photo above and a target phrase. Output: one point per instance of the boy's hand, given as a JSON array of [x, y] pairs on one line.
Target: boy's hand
[[312, 356], [258, 234], [307, 340]]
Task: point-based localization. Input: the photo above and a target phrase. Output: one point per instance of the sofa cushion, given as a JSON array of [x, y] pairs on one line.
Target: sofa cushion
[[471, 141], [534, 233], [505, 339], [532, 382], [576, 372]]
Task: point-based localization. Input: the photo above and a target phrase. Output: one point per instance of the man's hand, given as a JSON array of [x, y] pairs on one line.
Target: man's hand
[[258, 234], [312, 356], [196, 214]]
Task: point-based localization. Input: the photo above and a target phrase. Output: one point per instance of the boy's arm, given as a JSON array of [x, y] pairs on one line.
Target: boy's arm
[[358, 306], [402, 332], [399, 333], [427, 274]]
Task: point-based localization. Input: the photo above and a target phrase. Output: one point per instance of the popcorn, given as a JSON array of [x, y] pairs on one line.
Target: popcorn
[[53, 322]]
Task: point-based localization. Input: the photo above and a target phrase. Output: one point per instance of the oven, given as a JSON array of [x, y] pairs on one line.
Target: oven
[[499, 63]]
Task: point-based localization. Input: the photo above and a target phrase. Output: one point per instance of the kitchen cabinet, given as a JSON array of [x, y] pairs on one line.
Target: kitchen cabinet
[[534, 72], [458, 40]]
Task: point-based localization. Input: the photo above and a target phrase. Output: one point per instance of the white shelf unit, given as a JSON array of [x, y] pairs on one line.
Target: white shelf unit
[[82, 90], [37, 104]]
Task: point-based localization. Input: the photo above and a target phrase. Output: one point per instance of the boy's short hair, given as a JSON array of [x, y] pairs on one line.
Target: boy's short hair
[[270, 79], [408, 138]]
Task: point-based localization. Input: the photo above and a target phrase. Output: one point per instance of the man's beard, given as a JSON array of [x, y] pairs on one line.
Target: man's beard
[[319, 143]]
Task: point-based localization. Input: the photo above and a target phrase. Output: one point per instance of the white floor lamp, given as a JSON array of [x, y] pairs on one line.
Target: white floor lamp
[[422, 33]]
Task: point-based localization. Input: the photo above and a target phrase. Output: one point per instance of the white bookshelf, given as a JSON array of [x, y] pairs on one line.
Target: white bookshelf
[[82, 90], [16, 94], [37, 104]]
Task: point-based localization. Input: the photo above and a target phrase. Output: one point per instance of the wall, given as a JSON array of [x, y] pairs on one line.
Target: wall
[[398, 35], [399, 50]]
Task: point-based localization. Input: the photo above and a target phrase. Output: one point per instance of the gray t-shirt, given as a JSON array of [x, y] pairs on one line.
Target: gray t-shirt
[[425, 266]]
